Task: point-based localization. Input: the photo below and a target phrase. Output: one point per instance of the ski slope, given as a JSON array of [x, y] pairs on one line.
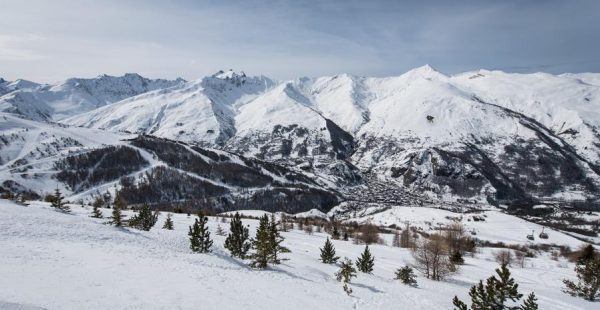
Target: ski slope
[[51, 260]]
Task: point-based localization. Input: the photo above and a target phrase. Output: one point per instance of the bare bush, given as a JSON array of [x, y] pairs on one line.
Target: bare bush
[[520, 257], [431, 256], [369, 234], [504, 257], [308, 229]]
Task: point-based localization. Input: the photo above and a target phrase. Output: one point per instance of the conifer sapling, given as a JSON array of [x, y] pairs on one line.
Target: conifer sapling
[[407, 275], [168, 223], [275, 240], [328, 253], [496, 293], [588, 276], [200, 241], [96, 213], [145, 219], [58, 202], [261, 244], [237, 241], [345, 274], [365, 262], [117, 218]]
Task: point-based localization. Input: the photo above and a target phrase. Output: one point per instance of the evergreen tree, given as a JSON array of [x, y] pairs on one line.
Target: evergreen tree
[[275, 240], [145, 219], [328, 253], [58, 202], [456, 258], [587, 253], [496, 293], [365, 262], [117, 218], [407, 275], [200, 241], [237, 241], [588, 284], [168, 223], [261, 244], [530, 303], [119, 204], [335, 234], [220, 231], [96, 213], [345, 274]]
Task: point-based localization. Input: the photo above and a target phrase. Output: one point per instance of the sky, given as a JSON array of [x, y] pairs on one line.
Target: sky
[[48, 41]]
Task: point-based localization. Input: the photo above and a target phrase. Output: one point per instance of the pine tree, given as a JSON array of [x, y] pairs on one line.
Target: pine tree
[[145, 219], [365, 262], [587, 253], [588, 276], [328, 253], [58, 202], [456, 258], [119, 204], [261, 244], [117, 218], [335, 234], [345, 274], [530, 303], [275, 240], [220, 231], [96, 213], [168, 223], [200, 241], [496, 293], [237, 241], [407, 275]]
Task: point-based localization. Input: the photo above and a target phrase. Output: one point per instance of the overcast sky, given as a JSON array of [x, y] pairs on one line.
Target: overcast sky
[[48, 41]]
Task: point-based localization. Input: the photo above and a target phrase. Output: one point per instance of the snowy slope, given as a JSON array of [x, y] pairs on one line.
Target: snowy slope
[[43, 255], [479, 137], [75, 95], [86, 163], [198, 111], [9, 86], [29, 149]]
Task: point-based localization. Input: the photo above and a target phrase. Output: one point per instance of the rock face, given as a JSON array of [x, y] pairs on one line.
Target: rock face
[[479, 137]]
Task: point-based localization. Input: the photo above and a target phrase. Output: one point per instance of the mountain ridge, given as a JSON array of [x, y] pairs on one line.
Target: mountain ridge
[[479, 137]]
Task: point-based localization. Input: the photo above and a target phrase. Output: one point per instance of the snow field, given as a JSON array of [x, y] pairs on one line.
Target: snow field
[[70, 261]]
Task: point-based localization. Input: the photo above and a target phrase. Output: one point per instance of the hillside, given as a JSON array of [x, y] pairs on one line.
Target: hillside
[[43, 254], [86, 163], [480, 137]]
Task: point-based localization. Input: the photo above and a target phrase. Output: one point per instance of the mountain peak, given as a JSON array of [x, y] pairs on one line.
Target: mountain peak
[[229, 74], [425, 72]]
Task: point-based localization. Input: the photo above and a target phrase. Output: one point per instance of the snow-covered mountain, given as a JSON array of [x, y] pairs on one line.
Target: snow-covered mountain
[[73, 96], [38, 157], [200, 111], [482, 136]]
